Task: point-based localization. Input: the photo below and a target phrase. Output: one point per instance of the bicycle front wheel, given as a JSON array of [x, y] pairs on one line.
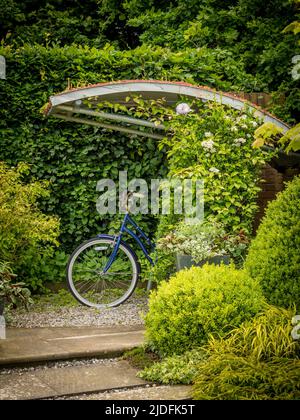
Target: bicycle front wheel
[[90, 285]]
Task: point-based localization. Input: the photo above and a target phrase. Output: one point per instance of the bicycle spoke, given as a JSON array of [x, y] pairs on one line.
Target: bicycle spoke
[[95, 287]]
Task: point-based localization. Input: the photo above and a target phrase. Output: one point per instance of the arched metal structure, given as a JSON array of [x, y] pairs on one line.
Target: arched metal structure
[[70, 105]]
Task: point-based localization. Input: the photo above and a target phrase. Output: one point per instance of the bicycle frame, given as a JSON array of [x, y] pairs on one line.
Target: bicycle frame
[[140, 235]]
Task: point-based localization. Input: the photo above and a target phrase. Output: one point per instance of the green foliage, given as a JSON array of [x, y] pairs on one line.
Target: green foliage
[[56, 22], [214, 145], [73, 157], [165, 262], [12, 293], [245, 30], [274, 258], [52, 301], [270, 134], [26, 234], [202, 240], [292, 137], [266, 336], [53, 268], [174, 369], [293, 27], [140, 358], [197, 302], [231, 377], [259, 360], [250, 30]]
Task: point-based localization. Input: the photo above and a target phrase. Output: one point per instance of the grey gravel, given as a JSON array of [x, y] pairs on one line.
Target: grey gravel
[[129, 313], [59, 365]]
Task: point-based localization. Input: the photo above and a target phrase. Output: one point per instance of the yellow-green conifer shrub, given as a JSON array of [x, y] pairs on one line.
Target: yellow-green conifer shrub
[[259, 361], [195, 303], [274, 255]]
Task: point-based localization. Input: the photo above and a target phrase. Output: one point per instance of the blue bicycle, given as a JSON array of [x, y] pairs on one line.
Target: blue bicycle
[[103, 271]]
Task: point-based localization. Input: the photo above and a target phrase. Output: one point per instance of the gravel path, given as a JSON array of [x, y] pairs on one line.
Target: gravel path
[[59, 365], [129, 313]]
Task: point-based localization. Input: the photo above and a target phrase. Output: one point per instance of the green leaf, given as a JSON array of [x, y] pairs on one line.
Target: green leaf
[[293, 137]]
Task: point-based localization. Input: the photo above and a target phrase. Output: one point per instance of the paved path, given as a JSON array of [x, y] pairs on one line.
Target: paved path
[[31, 345], [46, 383], [98, 379]]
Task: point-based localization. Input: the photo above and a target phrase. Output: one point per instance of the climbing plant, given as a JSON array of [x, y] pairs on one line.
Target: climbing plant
[[73, 157], [214, 143]]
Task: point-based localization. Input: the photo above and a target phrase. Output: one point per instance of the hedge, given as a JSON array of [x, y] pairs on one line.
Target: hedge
[[274, 257], [74, 158]]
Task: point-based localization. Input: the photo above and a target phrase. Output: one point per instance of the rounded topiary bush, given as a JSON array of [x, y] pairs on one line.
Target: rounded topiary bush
[[274, 255], [195, 303]]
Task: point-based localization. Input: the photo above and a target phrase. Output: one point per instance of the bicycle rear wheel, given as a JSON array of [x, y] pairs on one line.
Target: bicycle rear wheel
[[85, 277]]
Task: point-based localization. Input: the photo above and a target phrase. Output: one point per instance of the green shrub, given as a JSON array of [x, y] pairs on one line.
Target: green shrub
[[274, 255], [266, 336], [203, 240], [198, 302], [258, 360], [12, 292], [73, 157], [165, 262], [26, 234], [214, 144], [178, 369], [231, 377]]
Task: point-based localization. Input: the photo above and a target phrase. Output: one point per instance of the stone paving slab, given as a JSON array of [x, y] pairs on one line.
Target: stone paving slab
[[31, 345], [47, 383]]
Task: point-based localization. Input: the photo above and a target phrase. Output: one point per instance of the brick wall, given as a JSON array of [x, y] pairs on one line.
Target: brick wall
[[272, 181]]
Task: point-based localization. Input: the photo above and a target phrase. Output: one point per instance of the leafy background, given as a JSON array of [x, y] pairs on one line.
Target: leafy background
[[237, 45]]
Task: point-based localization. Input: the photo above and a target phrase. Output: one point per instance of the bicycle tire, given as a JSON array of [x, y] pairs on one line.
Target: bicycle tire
[[94, 246]]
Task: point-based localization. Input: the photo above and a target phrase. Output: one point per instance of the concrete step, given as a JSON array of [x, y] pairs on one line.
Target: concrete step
[[109, 380], [33, 345], [32, 352], [53, 382]]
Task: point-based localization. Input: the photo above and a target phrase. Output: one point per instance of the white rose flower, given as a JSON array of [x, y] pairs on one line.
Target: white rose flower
[[183, 109]]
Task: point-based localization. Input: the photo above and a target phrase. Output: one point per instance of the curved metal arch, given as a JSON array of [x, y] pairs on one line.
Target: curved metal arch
[[68, 103]]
